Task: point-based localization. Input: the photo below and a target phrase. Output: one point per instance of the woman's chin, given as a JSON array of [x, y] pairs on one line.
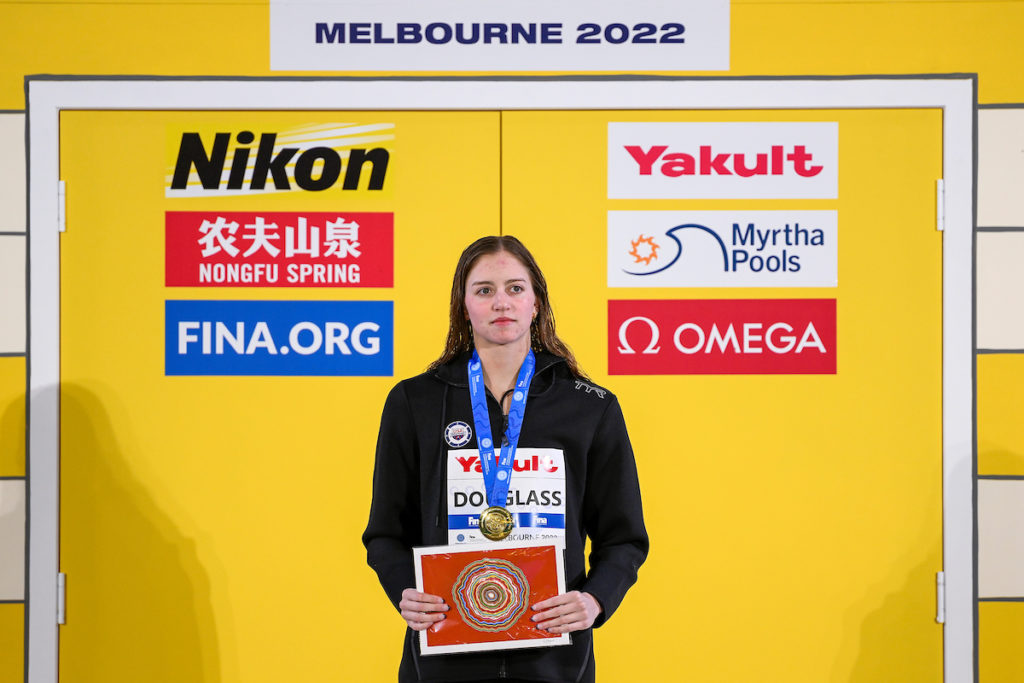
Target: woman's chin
[[502, 340]]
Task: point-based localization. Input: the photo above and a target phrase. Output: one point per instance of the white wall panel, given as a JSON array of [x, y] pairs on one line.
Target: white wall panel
[[1001, 289], [12, 172], [12, 539], [1000, 538], [12, 294], [1001, 167]]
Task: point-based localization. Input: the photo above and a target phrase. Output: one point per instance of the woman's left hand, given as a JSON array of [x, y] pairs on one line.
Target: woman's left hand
[[572, 611]]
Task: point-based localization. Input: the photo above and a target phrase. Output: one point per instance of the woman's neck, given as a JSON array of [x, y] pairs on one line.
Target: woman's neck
[[501, 367]]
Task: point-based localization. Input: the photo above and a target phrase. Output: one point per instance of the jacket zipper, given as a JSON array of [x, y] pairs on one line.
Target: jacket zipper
[[442, 503], [502, 673]]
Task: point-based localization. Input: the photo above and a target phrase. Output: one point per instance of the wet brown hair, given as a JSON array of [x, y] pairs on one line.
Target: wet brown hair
[[542, 330]]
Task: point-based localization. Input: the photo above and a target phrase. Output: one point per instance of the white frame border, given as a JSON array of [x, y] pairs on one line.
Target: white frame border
[[954, 94]]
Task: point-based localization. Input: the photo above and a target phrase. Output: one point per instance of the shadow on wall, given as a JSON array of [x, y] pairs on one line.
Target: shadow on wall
[[138, 598], [998, 458], [896, 619], [12, 438], [884, 641]]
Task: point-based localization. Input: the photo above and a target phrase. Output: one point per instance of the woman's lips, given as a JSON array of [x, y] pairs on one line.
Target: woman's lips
[[502, 321]]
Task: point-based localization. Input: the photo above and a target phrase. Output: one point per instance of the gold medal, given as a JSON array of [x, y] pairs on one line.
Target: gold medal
[[496, 523]]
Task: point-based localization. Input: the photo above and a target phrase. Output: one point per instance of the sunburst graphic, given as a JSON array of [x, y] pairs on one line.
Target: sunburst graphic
[[651, 250], [491, 594]]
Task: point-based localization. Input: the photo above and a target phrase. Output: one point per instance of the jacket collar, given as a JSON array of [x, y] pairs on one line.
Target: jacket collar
[[456, 374]]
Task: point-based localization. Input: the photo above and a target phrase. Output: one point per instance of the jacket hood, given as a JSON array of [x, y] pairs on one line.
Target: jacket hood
[[456, 374]]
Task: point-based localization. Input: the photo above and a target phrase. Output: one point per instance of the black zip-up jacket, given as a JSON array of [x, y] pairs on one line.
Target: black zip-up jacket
[[602, 501]]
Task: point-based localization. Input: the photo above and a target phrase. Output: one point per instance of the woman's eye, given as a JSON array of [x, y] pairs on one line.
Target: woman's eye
[[483, 291], [516, 289]]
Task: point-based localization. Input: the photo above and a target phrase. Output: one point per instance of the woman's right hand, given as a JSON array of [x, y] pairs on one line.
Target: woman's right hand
[[421, 610]]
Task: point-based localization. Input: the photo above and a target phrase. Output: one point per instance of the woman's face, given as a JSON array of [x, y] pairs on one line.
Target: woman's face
[[500, 302]]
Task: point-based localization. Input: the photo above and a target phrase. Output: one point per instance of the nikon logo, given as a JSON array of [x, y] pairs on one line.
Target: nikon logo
[[268, 166]]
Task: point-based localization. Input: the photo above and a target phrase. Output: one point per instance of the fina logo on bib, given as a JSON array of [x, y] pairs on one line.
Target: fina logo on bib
[[722, 249], [458, 434]]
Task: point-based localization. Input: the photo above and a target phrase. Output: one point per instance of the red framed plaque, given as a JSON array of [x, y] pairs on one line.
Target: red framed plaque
[[489, 590]]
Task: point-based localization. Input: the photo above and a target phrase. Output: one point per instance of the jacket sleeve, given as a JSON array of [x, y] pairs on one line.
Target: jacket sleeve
[[613, 514], [394, 510]]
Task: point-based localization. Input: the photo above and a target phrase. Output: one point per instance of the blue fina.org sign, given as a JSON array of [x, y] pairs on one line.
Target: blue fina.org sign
[[327, 338]]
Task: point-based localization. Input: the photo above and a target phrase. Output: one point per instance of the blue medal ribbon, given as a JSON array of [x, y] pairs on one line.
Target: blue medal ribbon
[[497, 476]]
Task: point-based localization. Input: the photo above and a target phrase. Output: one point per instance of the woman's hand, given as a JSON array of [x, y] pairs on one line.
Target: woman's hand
[[421, 610], [572, 611]]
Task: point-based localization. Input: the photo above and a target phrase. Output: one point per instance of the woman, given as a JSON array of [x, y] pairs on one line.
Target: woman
[[581, 469]]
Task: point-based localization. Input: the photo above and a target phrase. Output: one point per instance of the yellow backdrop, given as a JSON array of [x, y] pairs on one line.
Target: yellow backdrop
[[795, 520], [210, 526]]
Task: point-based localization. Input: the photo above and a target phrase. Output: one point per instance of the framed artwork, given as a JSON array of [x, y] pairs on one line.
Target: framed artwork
[[489, 590]]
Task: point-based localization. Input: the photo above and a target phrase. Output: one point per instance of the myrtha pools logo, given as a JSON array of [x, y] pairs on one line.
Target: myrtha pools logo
[[722, 249]]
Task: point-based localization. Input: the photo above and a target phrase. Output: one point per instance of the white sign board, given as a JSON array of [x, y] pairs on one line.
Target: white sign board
[[739, 248], [487, 35], [723, 160]]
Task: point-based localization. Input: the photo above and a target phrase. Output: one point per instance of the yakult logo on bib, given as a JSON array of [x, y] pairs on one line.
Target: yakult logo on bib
[[522, 463], [722, 336], [733, 160]]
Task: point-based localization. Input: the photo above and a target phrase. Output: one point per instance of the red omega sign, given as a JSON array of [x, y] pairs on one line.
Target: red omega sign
[[722, 336]]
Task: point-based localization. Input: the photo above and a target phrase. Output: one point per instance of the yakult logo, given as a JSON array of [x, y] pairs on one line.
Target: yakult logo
[[710, 162], [722, 336], [521, 464], [754, 160]]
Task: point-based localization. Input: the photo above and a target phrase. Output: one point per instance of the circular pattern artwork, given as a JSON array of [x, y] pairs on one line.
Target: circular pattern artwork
[[491, 595]]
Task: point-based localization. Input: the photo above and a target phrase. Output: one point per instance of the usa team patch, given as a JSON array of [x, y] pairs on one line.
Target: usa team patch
[[458, 434]]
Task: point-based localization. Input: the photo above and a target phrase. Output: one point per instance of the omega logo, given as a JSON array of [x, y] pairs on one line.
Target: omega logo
[[751, 338]]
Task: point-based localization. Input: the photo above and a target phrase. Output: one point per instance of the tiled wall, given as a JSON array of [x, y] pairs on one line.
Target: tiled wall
[[12, 395], [1000, 340], [1000, 310]]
